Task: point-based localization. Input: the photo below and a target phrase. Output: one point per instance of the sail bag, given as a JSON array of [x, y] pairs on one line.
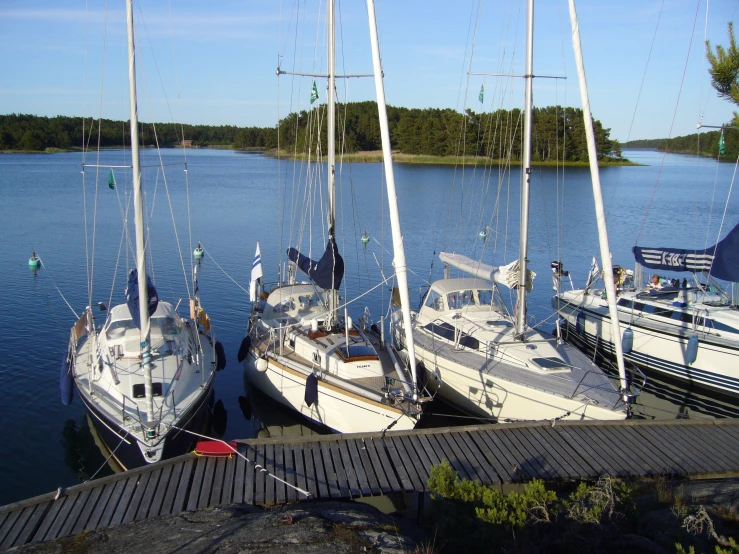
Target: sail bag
[[327, 272]]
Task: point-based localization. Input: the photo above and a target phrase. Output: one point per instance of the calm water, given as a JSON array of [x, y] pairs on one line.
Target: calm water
[[234, 201]]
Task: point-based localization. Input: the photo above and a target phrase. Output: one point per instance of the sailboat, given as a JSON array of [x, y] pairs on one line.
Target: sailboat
[[491, 364], [687, 330], [300, 349], [146, 374]]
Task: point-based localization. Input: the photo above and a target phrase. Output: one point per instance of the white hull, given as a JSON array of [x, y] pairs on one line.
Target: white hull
[[660, 344], [338, 409], [488, 397]]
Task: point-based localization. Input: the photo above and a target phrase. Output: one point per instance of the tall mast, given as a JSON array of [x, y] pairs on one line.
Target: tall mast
[[387, 157], [333, 297], [525, 172], [600, 214], [138, 203]]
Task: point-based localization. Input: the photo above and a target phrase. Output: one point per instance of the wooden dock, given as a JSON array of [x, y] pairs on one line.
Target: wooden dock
[[355, 466]]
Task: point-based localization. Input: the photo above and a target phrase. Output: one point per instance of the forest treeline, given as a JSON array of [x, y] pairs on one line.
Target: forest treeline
[[434, 132], [703, 144]]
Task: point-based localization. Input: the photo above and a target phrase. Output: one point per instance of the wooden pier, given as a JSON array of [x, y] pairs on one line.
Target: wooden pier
[[361, 465]]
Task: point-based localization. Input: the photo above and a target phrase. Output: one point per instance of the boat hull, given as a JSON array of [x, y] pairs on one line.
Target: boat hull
[[715, 368], [176, 443], [489, 397], [340, 410]]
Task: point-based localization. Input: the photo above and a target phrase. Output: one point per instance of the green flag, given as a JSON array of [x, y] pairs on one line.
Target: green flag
[[481, 97], [314, 93], [721, 149], [111, 180]]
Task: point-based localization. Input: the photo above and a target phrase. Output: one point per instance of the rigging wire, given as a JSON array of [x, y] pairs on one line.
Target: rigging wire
[[672, 124]]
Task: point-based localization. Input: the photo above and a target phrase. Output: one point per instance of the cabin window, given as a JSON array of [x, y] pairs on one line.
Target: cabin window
[[459, 299], [434, 301], [139, 391], [639, 306], [118, 328], [485, 297], [285, 306], [682, 316], [628, 304], [662, 312], [167, 324]]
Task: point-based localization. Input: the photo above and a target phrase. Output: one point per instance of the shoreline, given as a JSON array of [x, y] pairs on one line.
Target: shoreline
[[373, 156]]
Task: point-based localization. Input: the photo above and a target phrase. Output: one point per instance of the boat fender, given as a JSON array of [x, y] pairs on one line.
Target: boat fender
[[261, 365], [66, 381], [627, 341], [580, 323], [691, 352], [244, 348], [220, 356], [311, 390]]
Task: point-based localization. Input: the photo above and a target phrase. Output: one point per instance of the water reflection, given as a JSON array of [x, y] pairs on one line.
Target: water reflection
[[84, 453]]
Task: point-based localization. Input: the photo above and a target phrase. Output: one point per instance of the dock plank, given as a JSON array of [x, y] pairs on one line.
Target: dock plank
[[682, 466], [49, 519], [618, 449], [310, 471], [269, 481], [300, 473], [482, 462], [410, 461], [74, 515], [505, 470], [105, 498], [340, 469], [7, 526], [280, 492], [25, 516], [218, 478], [554, 455], [228, 479], [364, 485], [184, 485], [650, 463], [290, 473], [351, 473], [92, 501], [33, 522], [161, 490], [392, 478], [197, 483], [405, 481], [259, 475], [137, 497], [369, 471], [240, 475], [329, 470], [126, 495], [703, 452], [606, 454], [377, 466], [580, 444], [110, 508], [443, 447], [206, 485], [535, 453], [418, 457], [521, 458]]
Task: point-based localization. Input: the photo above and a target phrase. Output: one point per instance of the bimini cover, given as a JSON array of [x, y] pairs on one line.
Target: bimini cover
[[721, 260], [132, 296], [327, 272]]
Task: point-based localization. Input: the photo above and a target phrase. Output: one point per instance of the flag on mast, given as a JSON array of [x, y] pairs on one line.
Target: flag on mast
[[721, 145], [111, 180], [481, 97], [314, 93], [256, 274], [593, 274]]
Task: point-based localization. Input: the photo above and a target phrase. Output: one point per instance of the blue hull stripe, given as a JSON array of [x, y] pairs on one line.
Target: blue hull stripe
[[676, 370]]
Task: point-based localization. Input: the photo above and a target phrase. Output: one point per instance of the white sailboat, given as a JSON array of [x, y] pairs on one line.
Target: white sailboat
[[685, 330], [494, 365], [300, 348], [146, 374]]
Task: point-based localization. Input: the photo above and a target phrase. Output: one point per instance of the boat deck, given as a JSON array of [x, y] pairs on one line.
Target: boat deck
[[362, 465], [583, 380]]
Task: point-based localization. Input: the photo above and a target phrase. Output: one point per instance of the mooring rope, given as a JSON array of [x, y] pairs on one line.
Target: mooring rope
[[57, 288], [256, 465]]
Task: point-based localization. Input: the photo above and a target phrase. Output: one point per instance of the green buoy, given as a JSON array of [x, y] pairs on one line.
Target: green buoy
[[34, 261], [198, 252], [365, 237]]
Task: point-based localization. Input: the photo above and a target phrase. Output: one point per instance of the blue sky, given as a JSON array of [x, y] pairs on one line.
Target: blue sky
[[214, 62]]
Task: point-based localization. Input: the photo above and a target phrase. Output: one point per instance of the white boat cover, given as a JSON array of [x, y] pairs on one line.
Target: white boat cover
[[506, 275]]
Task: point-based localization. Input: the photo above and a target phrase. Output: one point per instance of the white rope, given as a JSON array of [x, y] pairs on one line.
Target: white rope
[[256, 465], [57, 288], [223, 270]]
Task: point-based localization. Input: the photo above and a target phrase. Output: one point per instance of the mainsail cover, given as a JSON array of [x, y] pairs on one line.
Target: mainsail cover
[[132, 296], [506, 275], [327, 272], [721, 260]]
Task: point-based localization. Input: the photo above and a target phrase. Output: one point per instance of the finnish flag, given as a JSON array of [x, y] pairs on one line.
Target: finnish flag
[[256, 274]]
